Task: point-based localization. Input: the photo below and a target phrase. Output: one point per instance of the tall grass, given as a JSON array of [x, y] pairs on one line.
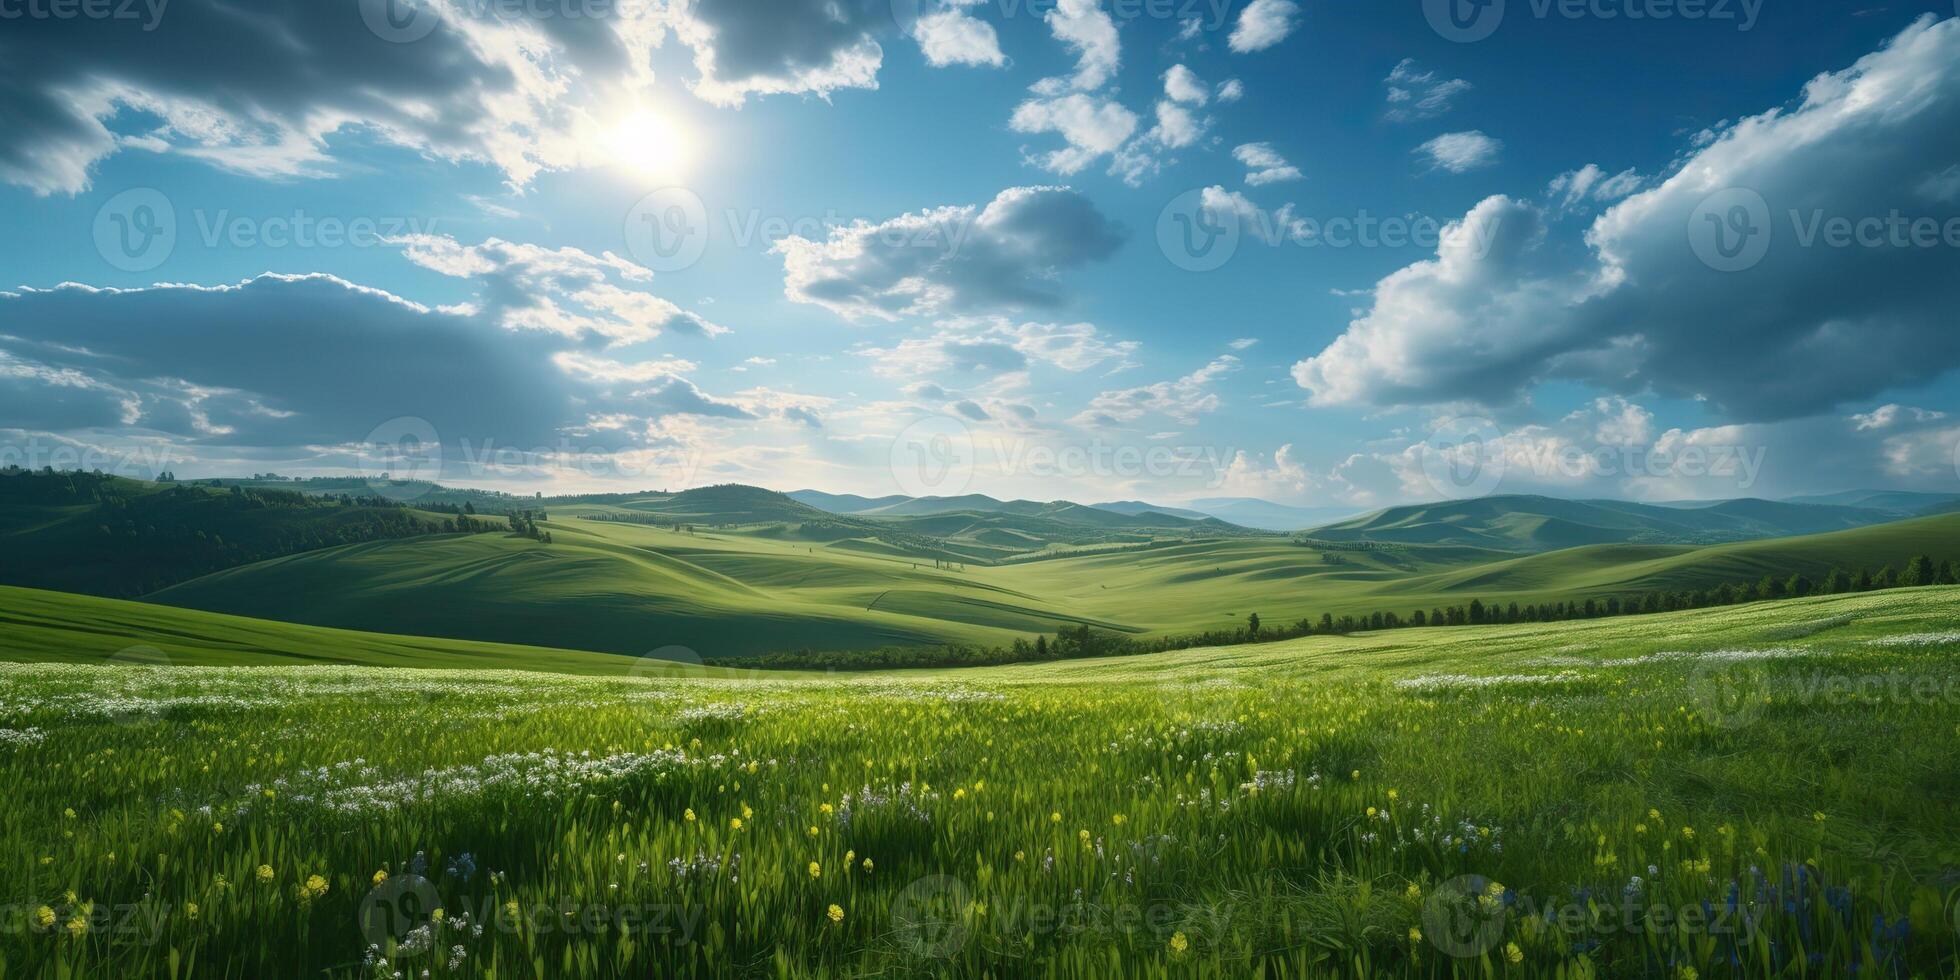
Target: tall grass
[[1673, 795]]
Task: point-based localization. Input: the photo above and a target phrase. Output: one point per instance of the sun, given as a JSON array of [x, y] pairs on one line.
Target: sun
[[649, 143]]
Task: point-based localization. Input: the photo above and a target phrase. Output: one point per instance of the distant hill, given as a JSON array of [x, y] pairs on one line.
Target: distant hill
[[1527, 523], [1266, 515], [1135, 507], [1901, 502], [843, 503]]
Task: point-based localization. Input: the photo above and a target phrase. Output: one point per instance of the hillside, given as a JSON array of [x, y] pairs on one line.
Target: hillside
[[625, 588], [46, 627], [105, 535], [1525, 523]]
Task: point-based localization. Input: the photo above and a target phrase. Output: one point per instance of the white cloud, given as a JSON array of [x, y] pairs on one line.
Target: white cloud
[[1231, 90], [1262, 24], [1090, 32], [1649, 311], [564, 291], [1415, 93], [954, 259], [1461, 152], [1574, 188], [952, 37], [1264, 164], [1091, 125], [1182, 400], [1183, 85]]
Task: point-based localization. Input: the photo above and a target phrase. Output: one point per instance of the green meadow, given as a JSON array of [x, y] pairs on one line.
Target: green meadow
[[1759, 790]]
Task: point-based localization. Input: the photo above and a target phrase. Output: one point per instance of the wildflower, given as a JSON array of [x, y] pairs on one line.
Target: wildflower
[[734, 823], [1371, 813], [264, 874], [850, 856], [825, 809], [510, 909], [315, 887], [1687, 833], [379, 877], [867, 865], [1414, 893], [78, 926], [813, 830], [836, 914], [1179, 943], [1118, 819], [816, 870], [689, 815], [1688, 973], [1818, 816], [1055, 817], [190, 911], [1512, 953], [43, 917], [1082, 835], [1355, 775], [746, 812], [1415, 936], [1020, 855]]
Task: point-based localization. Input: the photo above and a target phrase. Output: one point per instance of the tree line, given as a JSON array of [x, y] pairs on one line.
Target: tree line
[[1082, 641]]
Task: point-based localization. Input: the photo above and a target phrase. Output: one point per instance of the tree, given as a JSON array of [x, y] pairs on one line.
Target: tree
[[1252, 625], [1919, 571]]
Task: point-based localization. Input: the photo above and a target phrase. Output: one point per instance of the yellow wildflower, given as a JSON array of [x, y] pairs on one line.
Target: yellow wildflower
[[1512, 953], [836, 913], [1179, 943], [734, 823], [379, 877], [816, 870], [43, 917], [264, 873]]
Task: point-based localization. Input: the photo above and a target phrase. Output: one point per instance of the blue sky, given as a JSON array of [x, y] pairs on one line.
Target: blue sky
[[967, 276]]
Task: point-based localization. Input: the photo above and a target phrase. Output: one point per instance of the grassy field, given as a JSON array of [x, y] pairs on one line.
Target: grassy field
[[1765, 790]]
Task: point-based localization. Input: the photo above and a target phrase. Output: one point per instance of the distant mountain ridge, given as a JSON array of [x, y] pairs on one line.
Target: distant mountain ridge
[[1529, 523]]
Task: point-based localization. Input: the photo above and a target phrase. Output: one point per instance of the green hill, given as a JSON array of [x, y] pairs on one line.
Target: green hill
[[61, 627], [1525, 523], [105, 535], [627, 588]]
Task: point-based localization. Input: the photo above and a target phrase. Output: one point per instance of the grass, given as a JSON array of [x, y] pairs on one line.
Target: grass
[[1448, 802]]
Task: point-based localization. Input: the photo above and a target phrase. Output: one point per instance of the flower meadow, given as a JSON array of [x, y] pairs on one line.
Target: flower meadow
[[1683, 795]]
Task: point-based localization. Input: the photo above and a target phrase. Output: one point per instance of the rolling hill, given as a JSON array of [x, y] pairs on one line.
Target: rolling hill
[[1524, 523], [60, 627], [626, 588]]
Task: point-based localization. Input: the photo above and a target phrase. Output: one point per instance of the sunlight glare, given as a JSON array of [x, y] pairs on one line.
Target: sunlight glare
[[650, 143]]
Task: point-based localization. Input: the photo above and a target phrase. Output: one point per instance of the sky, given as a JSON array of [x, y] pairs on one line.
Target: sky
[[1329, 253]]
